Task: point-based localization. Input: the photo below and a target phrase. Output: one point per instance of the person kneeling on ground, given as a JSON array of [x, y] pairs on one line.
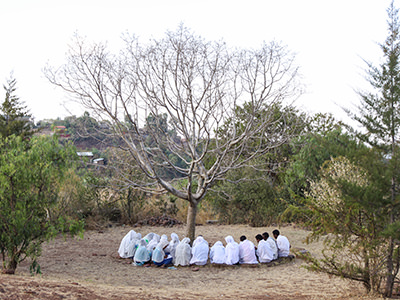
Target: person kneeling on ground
[[159, 257], [183, 253], [142, 255], [172, 245], [200, 251], [217, 253], [263, 250], [247, 251], [231, 251], [272, 244], [282, 243]]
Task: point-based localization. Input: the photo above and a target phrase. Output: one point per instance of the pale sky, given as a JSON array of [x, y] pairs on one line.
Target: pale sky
[[330, 39]]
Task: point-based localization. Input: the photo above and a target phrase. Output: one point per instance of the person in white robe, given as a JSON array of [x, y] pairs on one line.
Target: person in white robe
[[183, 253], [247, 251], [217, 253], [272, 244], [133, 245], [264, 251], [282, 243], [172, 245], [148, 237], [231, 251], [153, 243], [159, 257], [125, 249], [142, 255], [200, 252], [164, 240]]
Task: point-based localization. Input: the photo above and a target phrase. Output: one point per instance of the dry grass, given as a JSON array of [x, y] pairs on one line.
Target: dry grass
[[91, 269]]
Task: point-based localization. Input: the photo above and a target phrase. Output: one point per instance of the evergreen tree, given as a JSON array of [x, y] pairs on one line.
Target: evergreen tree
[[14, 116], [379, 116], [30, 175]]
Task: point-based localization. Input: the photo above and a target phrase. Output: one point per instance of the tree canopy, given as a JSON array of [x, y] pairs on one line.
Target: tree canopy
[[30, 172], [14, 116], [199, 85]]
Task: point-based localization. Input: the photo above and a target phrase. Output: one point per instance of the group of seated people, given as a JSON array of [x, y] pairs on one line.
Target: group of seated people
[[158, 250]]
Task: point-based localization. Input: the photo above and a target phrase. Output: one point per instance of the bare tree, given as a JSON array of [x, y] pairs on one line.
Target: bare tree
[[198, 86]]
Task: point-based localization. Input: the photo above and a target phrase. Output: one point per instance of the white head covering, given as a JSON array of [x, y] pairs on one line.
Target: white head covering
[[217, 253], [125, 247], [172, 245], [231, 251], [183, 253], [158, 252], [148, 237], [153, 243], [164, 238], [142, 254], [200, 251], [247, 252]]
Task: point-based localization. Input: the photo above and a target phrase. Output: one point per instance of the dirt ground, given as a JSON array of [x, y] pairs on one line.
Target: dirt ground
[[91, 269]]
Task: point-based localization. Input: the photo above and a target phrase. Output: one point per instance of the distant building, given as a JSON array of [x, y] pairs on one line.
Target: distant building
[[85, 154], [61, 131]]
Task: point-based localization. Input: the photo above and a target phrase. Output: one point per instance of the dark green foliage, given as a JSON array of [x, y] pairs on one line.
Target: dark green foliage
[[14, 116], [379, 116], [259, 190], [30, 173], [324, 139], [247, 198]]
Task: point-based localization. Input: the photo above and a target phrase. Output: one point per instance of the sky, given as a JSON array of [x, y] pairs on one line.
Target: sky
[[331, 40]]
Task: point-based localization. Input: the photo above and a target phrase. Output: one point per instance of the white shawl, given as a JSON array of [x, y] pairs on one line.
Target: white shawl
[[199, 251], [217, 253], [183, 253], [247, 252], [231, 251]]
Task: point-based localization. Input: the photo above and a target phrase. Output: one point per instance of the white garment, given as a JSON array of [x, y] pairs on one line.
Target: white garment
[[172, 245], [217, 253], [164, 241], [274, 247], [200, 251], [231, 251], [148, 237], [283, 246], [247, 252], [264, 252], [158, 253], [126, 249], [153, 243], [183, 253], [142, 255]]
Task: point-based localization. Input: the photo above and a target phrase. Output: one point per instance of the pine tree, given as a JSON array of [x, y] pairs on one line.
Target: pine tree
[[379, 115], [14, 116]]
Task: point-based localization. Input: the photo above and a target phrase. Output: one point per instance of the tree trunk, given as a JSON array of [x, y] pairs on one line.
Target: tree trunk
[[389, 262], [191, 221], [11, 267]]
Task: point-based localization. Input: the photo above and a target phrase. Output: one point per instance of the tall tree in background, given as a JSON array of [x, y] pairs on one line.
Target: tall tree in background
[[198, 85], [14, 116], [379, 115]]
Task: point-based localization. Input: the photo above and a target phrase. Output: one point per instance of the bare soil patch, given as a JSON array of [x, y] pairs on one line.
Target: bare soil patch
[[91, 269]]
